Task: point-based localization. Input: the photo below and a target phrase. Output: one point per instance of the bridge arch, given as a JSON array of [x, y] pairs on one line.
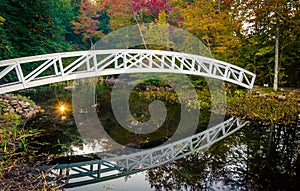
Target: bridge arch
[[57, 67]]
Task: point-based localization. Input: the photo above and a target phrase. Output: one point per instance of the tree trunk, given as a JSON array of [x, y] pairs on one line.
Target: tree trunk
[[275, 85], [272, 126]]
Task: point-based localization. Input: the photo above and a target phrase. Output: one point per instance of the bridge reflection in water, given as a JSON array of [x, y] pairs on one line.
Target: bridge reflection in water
[[107, 168]]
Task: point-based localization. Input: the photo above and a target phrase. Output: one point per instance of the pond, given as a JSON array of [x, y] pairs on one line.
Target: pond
[[257, 157]]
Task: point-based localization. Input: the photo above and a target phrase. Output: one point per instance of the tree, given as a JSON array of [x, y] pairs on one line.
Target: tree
[[124, 13], [120, 13], [87, 22], [35, 27], [127, 12], [218, 26], [4, 44], [278, 23], [157, 35]]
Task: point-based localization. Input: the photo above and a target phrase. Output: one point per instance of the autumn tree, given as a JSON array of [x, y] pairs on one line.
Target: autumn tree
[[216, 25], [127, 12], [157, 35], [120, 13], [87, 22]]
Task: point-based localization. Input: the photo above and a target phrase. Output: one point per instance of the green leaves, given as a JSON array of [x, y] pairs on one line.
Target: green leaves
[[34, 27], [2, 20], [264, 50]]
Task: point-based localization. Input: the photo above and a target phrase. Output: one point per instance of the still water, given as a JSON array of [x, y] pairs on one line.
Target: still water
[[258, 157]]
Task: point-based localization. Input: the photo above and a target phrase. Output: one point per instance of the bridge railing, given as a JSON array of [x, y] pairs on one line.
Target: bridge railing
[[26, 72]]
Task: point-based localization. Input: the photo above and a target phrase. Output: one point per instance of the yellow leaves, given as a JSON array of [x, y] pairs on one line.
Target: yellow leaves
[[2, 20], [205, 38], [162, 18], [220, 49], [120, 13], [95, 34], [157, 36], [217, 28], [119, 20]]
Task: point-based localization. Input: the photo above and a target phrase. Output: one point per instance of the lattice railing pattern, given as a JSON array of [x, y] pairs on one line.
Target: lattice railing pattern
[[26, 72]]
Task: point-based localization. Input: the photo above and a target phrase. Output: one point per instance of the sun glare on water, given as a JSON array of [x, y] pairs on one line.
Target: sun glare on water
[[62, 108]]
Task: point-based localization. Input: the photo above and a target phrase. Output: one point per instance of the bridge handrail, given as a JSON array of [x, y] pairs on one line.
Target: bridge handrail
[[159, 61]]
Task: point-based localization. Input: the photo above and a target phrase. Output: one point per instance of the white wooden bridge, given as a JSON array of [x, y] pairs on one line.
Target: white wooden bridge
[[21, 73], [57, 67]]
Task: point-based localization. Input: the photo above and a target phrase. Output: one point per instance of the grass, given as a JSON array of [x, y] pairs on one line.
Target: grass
[[263, 104], [17, 157]]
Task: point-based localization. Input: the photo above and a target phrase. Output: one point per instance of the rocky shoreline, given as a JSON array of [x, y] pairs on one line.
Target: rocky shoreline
[[16, 105]]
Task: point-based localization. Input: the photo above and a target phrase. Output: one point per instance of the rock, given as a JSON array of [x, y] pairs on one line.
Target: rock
[[27, 110], [28, 115], [19, 108], [5, 109], [20, 112], [296, 91], [263, 95], [6, 96], [69, 87], [15, 105], [26, 104], [282, 97], [13, 102]]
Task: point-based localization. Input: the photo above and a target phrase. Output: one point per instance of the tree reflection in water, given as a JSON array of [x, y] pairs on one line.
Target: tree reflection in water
[[259, 157]]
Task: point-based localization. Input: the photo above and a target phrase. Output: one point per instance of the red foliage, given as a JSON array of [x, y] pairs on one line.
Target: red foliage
[[88, 19], [151, 7]]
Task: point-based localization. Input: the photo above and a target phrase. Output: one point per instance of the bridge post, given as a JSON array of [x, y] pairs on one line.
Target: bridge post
[[208, 137], [61, 67], [55, 67], [98, 169], [20, 73]]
